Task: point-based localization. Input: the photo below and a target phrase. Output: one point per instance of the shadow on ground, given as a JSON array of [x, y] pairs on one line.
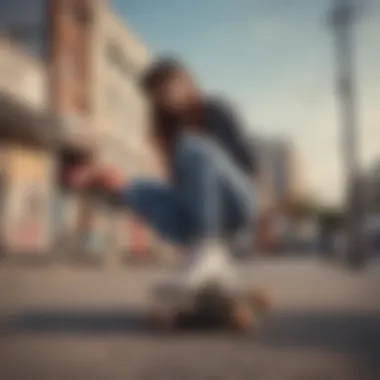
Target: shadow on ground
[[50, 321], [346, 331], [342, 331]]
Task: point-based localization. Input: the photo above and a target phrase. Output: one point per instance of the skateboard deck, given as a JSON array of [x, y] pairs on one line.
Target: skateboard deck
[[210, 306]]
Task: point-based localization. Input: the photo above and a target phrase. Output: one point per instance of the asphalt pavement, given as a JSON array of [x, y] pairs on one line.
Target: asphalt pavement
[[65, 322]]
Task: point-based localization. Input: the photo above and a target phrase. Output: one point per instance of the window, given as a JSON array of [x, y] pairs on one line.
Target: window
[[80, 11], [117, 58]]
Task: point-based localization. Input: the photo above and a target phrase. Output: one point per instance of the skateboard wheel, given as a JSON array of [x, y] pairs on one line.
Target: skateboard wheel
[[260, 300], [162, 319], [242, 318]]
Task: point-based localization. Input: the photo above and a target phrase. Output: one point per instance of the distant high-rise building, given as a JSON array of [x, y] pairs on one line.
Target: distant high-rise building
[[282, 181], [279, 168]]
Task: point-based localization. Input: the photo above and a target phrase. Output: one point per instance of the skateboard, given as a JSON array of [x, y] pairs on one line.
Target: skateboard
[[210, 307]]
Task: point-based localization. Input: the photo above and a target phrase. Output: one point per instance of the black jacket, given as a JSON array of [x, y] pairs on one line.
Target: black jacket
[[225, 127]]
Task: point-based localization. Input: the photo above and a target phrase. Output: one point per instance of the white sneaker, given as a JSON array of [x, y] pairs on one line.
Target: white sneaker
[[209, 262]]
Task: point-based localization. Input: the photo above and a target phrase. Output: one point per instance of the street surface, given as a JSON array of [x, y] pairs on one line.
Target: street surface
[[60, 323]]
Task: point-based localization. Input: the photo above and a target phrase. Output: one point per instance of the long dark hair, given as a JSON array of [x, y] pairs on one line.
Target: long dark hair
[[165, 128], [165, 125]]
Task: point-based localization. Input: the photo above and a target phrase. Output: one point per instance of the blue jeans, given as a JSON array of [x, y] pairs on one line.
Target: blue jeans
[[210, 196]]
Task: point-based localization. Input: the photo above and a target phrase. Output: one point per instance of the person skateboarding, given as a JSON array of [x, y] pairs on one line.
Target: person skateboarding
[[211, 192]]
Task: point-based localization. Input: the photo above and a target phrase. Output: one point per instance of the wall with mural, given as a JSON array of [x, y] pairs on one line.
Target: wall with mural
[[28, 203]]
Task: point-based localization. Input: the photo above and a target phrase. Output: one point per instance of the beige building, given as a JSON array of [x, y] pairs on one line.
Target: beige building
[[108, 60], [95, 63], [119, 111]]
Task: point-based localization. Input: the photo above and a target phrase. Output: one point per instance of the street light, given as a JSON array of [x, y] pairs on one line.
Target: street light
[[342, 18]]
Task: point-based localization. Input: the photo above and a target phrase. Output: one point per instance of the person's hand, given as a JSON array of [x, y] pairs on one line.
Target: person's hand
[[81, 176], [111, 178], [103, 176]]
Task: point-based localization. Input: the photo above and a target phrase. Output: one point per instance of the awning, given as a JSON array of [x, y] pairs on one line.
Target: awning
[[19, 121]]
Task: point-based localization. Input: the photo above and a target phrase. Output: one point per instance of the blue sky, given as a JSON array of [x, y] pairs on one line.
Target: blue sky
[[274, 60]]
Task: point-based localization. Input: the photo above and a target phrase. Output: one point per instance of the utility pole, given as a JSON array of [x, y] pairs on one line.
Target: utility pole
[[342, 19]]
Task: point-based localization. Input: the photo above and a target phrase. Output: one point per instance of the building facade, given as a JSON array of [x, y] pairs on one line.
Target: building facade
[[281, 183], [120, 112], [280, 169], [102, 104], [77, 75], [27, 165]]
